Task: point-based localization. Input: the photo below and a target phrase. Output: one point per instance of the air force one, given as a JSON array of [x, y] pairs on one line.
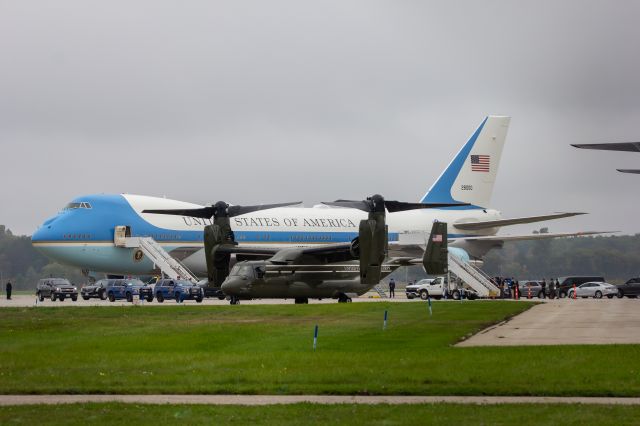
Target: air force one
[[95, 232]]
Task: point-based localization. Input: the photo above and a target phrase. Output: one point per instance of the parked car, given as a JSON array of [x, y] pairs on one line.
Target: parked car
[[530, 288], [56, 288], [629, 289], [211, 291], [169, 288], [123, 289], [186, 290], [567, 283], [595, 289], [97, 290]]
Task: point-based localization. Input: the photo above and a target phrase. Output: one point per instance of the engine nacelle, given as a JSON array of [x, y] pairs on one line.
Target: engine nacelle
[[373, 242]]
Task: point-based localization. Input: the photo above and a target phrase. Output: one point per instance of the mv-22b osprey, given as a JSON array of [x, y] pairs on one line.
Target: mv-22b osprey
[[328, 271]]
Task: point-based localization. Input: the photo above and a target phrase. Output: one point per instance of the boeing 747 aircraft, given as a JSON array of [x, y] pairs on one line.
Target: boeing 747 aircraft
[[85, 233]]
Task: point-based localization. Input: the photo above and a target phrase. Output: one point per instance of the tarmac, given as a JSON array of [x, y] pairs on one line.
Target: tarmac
[[6, 400], [567, 322]]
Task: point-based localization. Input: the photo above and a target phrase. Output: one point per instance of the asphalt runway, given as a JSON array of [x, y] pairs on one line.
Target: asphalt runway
[[6, 400], [567, 322]]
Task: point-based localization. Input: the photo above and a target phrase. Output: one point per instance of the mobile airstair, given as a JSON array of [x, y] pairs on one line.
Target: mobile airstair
[[169, 266], [474, 277]]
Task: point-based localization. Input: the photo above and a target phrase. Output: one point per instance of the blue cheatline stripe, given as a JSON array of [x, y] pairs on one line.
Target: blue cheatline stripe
[[440, 192]]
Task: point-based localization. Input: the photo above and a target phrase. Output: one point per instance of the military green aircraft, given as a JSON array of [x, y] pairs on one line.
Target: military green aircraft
[[326, 271]]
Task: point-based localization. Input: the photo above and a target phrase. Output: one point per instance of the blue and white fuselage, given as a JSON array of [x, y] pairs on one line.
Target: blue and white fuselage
[[83, 233]]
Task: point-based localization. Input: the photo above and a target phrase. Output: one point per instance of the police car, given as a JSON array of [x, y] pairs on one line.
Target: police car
[[179, 290], [124, 289]]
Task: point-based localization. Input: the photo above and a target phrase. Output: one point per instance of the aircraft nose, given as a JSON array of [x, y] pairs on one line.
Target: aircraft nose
[[234, 286]]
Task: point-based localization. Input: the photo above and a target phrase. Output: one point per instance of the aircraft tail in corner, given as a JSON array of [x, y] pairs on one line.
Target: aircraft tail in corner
[[470, 176]]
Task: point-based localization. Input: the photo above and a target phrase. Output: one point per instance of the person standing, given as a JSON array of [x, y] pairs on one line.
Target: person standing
[[544, 288], [392, 288], [9, 288]]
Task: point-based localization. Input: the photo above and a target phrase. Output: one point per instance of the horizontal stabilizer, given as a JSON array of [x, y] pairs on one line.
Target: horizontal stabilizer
[[620, 146], [471, 226], [636, 171], [502, 238]]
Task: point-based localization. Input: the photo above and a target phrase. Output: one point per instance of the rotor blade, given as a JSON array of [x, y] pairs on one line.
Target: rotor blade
[[360, 205], [399, 206], [615, 146], [628, 170], [204, 212], [238, 210]]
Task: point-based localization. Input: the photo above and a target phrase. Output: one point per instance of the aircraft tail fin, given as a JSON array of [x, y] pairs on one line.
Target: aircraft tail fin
[[470, 176]]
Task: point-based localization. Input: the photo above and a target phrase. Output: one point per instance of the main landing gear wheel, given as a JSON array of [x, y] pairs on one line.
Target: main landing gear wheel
[[301, 300], [344, 299], [234, 300]]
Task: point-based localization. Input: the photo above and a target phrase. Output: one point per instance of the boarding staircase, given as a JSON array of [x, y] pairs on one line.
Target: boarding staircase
[[474, 277], [380, 291], [169, 266]]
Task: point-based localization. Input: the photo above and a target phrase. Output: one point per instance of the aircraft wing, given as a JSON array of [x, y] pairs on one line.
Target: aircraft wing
[[502, 238], [470, 226], [620, 146]]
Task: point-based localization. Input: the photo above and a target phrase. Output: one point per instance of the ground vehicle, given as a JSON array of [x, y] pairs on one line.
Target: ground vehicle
[[56, 288], [530, 288], [175, 289], [594, 289], [567, 283], [424, 289], [438, 288], [186, 290], [123, 289], [96, 289], [211, 291], [630, 289]]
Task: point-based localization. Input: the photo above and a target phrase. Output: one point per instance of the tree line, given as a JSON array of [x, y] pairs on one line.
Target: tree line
[[24, 266]]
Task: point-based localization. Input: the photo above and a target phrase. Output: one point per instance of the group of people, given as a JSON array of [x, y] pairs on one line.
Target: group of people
[[510, 288]]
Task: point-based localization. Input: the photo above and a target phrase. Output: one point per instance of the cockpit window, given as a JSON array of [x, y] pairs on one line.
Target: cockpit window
[[78, 205]]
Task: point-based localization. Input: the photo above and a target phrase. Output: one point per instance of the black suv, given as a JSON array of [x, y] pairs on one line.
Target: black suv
[[56, 288], [630, 289], [96, 290], [567, 283]]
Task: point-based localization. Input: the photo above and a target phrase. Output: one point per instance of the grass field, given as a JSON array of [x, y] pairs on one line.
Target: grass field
[[311, 414], [267, 349]]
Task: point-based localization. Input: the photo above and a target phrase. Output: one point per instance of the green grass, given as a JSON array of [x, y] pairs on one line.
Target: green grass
[[264, 349], [311, 414]]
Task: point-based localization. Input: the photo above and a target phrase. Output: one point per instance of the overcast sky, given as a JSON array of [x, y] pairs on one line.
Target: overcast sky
[[256, 102]]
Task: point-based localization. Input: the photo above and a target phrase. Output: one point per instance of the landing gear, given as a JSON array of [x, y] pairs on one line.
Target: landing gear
[[234, 300], [343, 298], [301, 300]]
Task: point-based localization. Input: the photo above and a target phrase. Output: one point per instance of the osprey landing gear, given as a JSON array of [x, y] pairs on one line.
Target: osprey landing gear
[[234, 300], [343, 298], [301, 300]]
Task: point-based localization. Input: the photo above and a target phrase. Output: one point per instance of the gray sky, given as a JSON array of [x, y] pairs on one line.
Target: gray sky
[[284, 100]]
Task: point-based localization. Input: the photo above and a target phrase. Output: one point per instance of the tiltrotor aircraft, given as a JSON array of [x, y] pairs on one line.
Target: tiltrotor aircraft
[[328, 271]]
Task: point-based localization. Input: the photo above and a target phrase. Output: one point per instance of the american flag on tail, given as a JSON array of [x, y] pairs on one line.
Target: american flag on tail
[[480, 163]]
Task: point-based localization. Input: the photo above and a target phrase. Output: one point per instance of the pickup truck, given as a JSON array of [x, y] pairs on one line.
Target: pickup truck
[[436, 288]]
